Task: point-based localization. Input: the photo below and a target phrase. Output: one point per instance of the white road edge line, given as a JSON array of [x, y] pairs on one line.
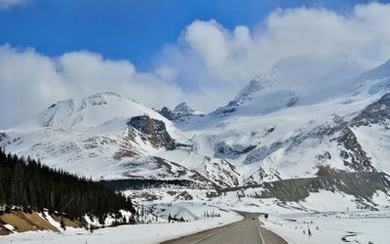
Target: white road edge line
[[258, 229]]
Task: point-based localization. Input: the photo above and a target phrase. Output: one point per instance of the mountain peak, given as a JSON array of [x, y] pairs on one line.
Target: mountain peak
[[181, 111], [302, 79], [258, 83], [90, 111], [184, 109]]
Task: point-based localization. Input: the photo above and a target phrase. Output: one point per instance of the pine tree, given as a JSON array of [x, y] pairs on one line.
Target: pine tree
[[27, 183]]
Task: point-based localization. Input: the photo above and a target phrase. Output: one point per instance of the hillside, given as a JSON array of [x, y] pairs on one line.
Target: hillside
[[27, 188]]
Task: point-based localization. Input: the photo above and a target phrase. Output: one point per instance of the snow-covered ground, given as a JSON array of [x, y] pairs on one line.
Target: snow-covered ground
[[329, 215], [141, 233], [332, 227], [335, 213]]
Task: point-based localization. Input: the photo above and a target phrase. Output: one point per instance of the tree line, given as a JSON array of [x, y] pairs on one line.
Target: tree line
[[29, 184], [137, 184]]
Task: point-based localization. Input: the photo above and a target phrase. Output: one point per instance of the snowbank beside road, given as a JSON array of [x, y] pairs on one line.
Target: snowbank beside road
[[140, 234], [359, 227]]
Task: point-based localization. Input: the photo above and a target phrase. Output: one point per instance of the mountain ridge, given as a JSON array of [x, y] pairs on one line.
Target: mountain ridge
[[266, 132]]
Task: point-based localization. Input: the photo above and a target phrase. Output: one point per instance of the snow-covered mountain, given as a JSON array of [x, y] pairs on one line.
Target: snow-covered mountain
[[299, 80], [309, 115], [298, 120], [105, 136]]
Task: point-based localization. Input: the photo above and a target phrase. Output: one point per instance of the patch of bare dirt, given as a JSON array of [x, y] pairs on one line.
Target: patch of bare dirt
[[23, 221]]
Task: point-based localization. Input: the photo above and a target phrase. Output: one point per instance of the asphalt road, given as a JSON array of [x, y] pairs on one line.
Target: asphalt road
[[247, 231]]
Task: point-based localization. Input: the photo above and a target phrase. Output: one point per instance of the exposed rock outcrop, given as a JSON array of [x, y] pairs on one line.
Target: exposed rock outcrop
[[326, 170], [223, 150], [153, 130], [180, 112], [353, 156], [375, 113]]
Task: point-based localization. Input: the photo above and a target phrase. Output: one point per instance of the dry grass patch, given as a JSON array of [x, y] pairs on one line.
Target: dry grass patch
[[26, 221], [67, 221]]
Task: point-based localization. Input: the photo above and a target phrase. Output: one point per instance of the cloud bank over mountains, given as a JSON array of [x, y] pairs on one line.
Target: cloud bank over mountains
[[206, 66]]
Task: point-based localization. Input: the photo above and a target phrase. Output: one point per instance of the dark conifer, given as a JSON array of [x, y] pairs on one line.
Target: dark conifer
[[29, 184]]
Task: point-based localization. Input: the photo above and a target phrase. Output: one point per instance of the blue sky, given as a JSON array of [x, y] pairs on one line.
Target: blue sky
[[164, 52], [129, 29]]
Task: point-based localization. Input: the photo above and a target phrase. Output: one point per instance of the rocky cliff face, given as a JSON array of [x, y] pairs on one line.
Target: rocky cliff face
[[153, 130], [375, 113], [352, 153]]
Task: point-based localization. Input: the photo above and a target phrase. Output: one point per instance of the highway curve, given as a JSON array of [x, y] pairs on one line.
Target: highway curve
[[247, 231]]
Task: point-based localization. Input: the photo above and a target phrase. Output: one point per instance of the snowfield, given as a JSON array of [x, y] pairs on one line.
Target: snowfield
[[332, 227], [336, 214]]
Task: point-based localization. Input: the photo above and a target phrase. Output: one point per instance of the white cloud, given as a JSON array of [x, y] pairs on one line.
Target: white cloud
[[166, 73], [6, 4], [206, 67], [209, 57], [31, 81]]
